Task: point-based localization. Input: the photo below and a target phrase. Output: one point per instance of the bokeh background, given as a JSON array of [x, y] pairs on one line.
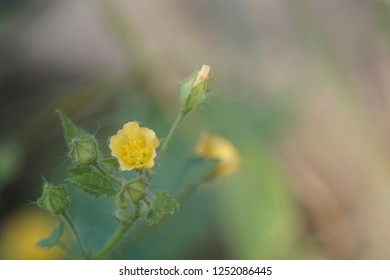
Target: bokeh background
[[302, 88]]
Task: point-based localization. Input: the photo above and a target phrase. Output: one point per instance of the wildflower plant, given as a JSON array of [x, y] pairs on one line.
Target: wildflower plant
[[134, 149]]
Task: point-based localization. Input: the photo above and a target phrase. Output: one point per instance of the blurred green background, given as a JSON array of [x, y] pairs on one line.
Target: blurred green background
[[302, 88]]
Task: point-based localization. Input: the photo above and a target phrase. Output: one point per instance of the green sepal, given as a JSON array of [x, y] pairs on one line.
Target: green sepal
[[92, 181], [136, 190], [185, 89], [53, 238], [71, 131], [122, 200], [84, 151], [162, 204], [54, 199]]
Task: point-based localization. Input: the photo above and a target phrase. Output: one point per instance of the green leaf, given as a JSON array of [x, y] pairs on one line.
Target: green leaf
[[162, 204], [92, 180], [53, 238], [71, 131]]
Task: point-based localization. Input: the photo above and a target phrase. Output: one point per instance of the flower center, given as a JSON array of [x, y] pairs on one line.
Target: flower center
[[137, 152]]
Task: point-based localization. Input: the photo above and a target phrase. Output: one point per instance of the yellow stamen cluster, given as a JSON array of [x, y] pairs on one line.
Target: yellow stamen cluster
[[136, 152]]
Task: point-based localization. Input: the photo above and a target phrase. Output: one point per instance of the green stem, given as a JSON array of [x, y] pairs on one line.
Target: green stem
[[118, 235], [112, 242], [75, 233], [141, 232], [173, 129], [190, 189]]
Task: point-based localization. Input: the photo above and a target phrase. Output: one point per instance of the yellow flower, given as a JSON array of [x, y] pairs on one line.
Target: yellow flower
[[20, 233], [216, 147], [134, 147]]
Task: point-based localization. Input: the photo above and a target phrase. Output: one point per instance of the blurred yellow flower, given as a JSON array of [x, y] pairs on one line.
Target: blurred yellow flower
[[20, 233], [134, 147], [216, 147]]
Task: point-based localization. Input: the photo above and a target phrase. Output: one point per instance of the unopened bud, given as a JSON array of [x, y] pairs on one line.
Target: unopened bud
[[193, 90], [132, 192], [122, 199], [54, 199], [136, 190], [84, 151]]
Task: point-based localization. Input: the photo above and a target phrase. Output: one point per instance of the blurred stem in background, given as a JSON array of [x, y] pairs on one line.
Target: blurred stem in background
[[382, 15], [316, 40], [142, 70]]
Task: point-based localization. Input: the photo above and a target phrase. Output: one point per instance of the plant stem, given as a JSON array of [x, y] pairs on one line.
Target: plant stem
[[139, 233], [118, 235], [112, 242], [172, 131], [189, 190], [76, 235]]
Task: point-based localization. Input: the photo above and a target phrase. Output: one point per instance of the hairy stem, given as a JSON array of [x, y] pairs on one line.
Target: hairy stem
[[76, 235], [173, 130], [117, 236]]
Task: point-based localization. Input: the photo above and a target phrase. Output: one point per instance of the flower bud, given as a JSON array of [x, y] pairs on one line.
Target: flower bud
[[136, 190], [84, 151], [54, 199], [132, 192], [122, 200], [193, 90]]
